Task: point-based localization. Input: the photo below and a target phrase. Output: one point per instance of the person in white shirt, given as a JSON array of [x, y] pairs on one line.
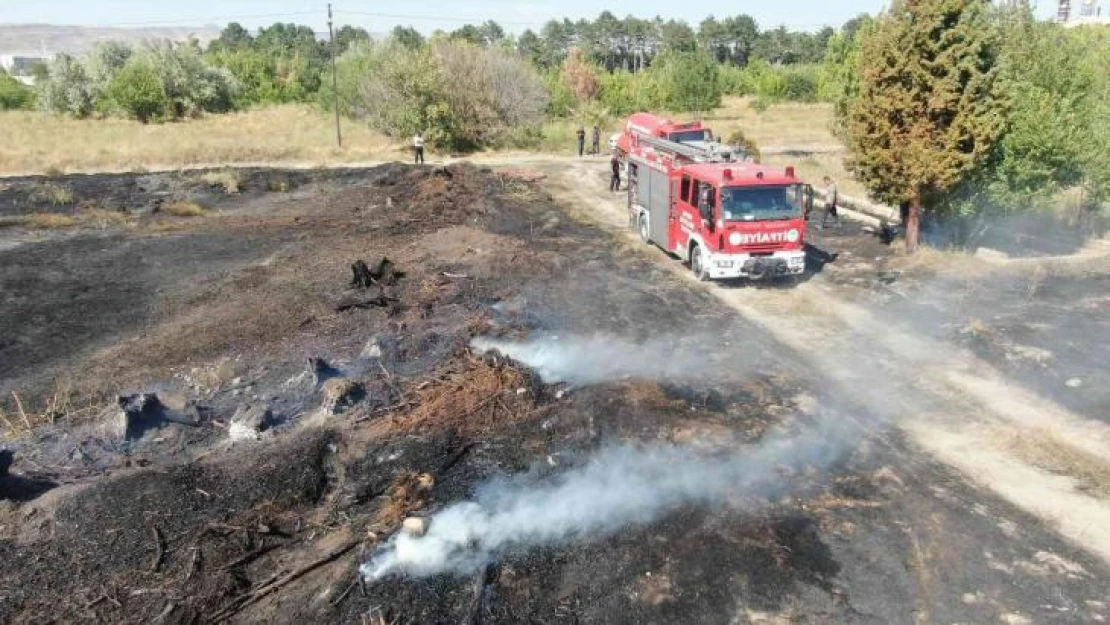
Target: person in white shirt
[[418, 148]]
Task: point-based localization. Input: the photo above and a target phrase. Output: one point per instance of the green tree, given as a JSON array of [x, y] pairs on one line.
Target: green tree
[[407, 36], [232, 38], [136, 90], [839, 77], [348, 36], [1049, 76], [677, 36], [470, 34], [530, 47], [687, 81], [928, 112]]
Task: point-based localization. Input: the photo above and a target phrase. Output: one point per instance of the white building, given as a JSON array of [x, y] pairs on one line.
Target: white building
[[1089, 13], [20, 66]]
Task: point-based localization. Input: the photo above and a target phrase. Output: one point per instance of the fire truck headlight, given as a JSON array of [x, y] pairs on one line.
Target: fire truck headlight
[[792, 236], [724, 264], [797, 261]]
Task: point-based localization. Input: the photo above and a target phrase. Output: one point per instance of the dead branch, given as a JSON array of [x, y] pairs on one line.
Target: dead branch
[[160, 549], [346, 592], [266, 589], [22, 413], [249, 557], [194, 564]]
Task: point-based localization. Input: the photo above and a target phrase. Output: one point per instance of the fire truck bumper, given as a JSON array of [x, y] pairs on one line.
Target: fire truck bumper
[[779, 264]]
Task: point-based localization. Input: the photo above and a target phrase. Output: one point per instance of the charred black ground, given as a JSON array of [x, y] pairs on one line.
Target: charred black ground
[[223, 310]]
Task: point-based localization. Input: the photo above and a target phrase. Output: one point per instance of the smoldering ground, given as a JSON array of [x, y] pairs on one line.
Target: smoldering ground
[[620, 485], [604, 357]]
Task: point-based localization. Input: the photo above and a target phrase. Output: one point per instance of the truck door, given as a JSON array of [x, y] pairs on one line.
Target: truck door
[[682, 223]]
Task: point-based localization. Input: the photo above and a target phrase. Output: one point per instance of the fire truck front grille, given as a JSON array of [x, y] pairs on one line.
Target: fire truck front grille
[[759, 267]]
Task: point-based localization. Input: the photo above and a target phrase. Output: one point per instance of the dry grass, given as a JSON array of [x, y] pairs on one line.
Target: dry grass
[[184, 209], [22, 418], [34, 142], [1044, 449], [228, 179], [104, 217], [786, 124], [53, 194], [475, 400], [86, 216], [931, 261], [48, 221]]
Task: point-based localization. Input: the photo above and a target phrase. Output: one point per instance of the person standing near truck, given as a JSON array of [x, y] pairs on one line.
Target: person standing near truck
[[615, 179], [581, 134], [830, 202], [418, 148], [595, 149]]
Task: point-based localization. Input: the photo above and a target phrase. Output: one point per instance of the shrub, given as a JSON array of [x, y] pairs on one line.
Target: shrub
[[227, 179], [191, 85], [738, 138], [53, 194], [14, 94], [137, 91], [66, 88], [461, 96], [579, 76], [623, 92]]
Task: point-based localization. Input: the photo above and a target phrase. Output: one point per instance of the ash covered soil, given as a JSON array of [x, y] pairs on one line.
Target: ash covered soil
[[397, 416]]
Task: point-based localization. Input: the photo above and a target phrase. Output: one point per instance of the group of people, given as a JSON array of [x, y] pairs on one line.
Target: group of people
[[595, 147]]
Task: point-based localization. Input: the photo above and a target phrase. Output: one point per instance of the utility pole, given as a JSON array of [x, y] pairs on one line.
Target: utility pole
[[334, 80]]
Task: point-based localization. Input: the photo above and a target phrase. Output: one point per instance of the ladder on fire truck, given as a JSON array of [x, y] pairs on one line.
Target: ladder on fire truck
[[712, 154]]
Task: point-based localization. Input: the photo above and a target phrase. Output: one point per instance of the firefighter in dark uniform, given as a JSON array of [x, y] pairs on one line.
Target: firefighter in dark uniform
[[615, 179]]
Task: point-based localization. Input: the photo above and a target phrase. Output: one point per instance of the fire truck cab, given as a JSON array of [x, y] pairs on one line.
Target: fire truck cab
[[727, 219]]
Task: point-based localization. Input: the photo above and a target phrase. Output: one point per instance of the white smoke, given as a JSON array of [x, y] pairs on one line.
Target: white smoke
[[599, 358], [619, 486]]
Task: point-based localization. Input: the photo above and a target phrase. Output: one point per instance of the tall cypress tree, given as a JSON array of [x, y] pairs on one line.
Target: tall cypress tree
[[928, 109]]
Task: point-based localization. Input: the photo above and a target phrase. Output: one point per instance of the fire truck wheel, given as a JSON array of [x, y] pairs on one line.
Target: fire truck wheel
[[697, 264], [645, 229]]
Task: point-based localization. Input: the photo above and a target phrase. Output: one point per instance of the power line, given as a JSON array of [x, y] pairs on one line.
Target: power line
[[437, 18], [227, 18]]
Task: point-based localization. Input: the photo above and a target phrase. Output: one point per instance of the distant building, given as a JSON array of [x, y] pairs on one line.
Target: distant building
[[21, 66], [1089, 13]]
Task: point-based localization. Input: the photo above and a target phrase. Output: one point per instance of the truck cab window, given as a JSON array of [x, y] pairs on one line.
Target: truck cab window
[[706, 199], [761, 203], [685, 193]]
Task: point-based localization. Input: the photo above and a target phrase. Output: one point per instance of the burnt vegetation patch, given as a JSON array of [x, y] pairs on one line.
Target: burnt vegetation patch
[[180, 524]]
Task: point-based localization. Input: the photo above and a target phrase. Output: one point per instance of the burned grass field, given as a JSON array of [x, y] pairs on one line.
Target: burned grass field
[[308, 404]]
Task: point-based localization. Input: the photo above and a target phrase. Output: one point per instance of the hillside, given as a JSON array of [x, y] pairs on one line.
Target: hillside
[[34, 39]]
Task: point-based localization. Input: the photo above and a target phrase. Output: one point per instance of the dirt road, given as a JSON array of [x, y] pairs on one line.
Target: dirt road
[[1030, 451]]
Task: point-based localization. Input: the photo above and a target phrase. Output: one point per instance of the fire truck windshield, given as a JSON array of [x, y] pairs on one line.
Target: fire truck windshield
[[687, 136], [760, 203]]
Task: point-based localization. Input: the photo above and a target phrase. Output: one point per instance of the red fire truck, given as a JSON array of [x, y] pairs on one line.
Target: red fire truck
[[727, 218]]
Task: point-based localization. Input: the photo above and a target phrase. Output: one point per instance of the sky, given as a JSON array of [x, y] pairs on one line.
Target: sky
[[428, 15]]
